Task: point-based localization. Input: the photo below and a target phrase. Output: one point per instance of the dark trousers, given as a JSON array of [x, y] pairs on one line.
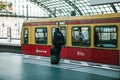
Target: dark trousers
[[55, 50], [58, 54]]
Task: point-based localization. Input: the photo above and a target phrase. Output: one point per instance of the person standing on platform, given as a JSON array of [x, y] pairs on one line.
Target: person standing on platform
[[58, 41]]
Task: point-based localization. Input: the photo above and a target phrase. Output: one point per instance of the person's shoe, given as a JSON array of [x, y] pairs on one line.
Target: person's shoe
[[54, 62]]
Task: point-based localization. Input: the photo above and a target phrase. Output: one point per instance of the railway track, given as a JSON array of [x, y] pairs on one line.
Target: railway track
[[7, 48]]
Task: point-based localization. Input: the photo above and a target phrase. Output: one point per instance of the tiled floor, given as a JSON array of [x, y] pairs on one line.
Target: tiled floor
[[16, 67]]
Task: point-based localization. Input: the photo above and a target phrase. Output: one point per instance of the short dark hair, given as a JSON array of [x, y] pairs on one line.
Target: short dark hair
[[57, 29]]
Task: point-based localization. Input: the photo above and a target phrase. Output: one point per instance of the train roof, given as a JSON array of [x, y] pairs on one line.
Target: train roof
[[101, 16]]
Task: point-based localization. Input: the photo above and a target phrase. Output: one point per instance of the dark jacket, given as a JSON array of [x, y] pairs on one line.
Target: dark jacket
[[58, 38]]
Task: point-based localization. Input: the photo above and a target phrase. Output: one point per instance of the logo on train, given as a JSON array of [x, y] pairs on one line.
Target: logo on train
[[79, 53], [41, 51]]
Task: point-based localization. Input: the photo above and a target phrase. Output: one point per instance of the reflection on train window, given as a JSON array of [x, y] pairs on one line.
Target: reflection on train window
[[25, 36], [41, 35], [63, 30], [53, 30], [105, 36], [81, 36]]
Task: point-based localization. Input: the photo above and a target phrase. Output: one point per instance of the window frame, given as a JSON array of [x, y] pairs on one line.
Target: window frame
[[43, 36], [101, 45], [89, 27]]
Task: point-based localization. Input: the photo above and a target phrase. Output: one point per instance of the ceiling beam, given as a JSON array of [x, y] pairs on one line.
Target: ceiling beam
[[113, 7], [45, 7], [74, 6]]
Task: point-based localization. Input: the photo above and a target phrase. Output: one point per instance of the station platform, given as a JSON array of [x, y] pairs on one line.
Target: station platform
[[15, 66]]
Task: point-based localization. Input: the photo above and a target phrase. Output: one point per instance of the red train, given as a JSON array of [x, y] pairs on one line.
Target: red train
[[101, 43]]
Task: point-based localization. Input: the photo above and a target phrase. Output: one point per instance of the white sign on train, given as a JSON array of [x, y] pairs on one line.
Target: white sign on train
[[62, 22]]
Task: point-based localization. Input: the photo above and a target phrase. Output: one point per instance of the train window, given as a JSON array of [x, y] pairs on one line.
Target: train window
[[80, 36], [63, 30], [105, 36], [53, 30], [41, 35], [25, 36]]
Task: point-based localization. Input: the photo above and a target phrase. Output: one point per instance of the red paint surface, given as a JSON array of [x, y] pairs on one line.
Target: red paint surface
[[81, 54], [110, 20], [39, 50], [106, 56]]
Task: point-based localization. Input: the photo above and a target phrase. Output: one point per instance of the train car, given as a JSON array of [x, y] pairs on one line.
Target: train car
[[100, 41]]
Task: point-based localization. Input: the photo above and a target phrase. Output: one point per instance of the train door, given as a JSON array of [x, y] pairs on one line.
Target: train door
[[79, 46], [25, 47], [64, 49]]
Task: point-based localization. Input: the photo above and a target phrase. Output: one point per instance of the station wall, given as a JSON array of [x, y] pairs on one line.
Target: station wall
[[10, 30]]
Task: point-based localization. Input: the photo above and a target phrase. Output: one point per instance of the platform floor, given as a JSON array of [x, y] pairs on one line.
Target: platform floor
[[17, 67]]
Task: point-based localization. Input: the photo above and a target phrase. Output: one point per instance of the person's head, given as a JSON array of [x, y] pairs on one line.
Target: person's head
[[57, 29]]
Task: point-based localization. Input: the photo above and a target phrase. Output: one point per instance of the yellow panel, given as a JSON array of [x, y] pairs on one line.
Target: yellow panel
[[31, 35], [21, 39], [49, 35], [68, 37]]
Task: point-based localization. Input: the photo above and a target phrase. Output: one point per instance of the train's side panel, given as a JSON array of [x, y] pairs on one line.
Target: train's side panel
[[93, 54], [119, 41], [80, 53], [106, 56], [39, 50], [26, 48], [35, 49]]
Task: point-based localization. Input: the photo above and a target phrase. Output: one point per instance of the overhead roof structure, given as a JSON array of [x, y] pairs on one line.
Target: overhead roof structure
[[58, 8]]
